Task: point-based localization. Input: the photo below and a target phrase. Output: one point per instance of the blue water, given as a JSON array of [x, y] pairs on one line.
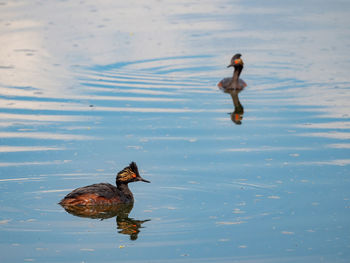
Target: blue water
[[88, 87]]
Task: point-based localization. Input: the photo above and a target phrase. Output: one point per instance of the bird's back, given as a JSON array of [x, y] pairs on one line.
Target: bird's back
[[101, 189], [102, 193]]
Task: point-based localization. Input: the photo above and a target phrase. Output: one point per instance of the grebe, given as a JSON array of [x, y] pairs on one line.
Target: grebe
[[106, 194], [234, 83]]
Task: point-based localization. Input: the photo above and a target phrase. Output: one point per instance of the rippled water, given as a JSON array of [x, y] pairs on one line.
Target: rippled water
[[88, 87]]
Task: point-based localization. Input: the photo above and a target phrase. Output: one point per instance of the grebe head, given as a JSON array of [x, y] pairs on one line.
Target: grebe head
[[236, 61], [130, 174]]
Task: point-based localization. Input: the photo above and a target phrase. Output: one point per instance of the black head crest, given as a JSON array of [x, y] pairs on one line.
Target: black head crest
[[237, 56], [134, 168]]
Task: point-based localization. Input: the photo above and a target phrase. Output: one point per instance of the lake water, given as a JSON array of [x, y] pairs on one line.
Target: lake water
[[87, 87]]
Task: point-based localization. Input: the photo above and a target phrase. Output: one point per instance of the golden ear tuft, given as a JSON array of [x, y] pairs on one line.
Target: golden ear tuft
[[238, 61], [125, 175], [128, 173]]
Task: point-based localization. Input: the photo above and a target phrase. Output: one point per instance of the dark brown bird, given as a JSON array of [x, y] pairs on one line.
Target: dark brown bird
[[234, 83], [106, 194]]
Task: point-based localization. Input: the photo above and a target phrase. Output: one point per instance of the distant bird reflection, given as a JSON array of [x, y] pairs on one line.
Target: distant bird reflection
[[125, 224], [237, 114], [234, 86]]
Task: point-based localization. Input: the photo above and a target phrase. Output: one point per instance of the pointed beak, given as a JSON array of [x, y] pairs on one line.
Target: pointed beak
[[144, 180], [230, 65]]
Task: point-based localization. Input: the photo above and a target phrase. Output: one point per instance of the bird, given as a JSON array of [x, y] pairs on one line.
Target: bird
[[104, 193], [234, 83]]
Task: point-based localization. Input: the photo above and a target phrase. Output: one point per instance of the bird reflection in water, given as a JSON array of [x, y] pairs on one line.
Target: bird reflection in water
[[237, 114], [125, 224], [234, 86]]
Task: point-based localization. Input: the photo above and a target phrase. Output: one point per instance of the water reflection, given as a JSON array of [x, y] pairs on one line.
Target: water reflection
[[237, 114], [125, 224]]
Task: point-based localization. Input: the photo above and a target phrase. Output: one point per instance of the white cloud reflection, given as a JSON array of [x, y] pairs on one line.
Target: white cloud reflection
[[11, 164], [338, 162], [330, 135], [23, 179], [32, 93], [45, 136], [339, 145], [327, 125], [44, 118], [8, 149], [266, 149], [67, 106]]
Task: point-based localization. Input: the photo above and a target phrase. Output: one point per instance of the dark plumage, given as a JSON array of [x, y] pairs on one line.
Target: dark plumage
[[234, 83], [106, 194]]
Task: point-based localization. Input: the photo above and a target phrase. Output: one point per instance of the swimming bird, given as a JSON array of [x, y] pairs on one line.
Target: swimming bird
[[234, 83], [104, 193]]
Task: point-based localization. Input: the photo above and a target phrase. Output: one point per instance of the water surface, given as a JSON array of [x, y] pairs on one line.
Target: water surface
[[88, 87]]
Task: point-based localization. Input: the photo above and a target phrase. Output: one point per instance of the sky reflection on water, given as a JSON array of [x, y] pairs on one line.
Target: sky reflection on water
[[82, 95]]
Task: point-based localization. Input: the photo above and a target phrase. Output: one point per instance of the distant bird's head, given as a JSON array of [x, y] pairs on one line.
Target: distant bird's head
[[236, 61], [130, 174]]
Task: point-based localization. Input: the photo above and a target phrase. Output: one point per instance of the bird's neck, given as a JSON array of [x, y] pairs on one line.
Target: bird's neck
[[236, 74], [124, 188]]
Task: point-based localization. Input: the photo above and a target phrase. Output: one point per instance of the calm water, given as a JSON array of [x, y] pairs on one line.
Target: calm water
[[88, 87]]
